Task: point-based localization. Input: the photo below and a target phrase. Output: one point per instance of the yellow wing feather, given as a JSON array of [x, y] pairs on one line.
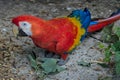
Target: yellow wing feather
[[80, 32]]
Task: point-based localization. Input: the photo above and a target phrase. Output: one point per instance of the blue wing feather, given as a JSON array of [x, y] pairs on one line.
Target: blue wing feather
[[93, 23], [84, 17]]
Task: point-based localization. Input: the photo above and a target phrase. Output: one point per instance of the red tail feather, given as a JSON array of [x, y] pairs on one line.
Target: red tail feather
[[103, 23]]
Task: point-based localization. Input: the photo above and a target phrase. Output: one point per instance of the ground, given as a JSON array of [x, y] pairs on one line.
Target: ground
[[14, 64]]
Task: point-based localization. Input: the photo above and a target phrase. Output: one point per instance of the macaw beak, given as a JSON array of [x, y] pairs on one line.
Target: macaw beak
[[21, 33], [18, 32]]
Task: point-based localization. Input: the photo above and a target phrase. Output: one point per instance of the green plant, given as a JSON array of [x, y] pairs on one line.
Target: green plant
[[113, 49], [44, 66]]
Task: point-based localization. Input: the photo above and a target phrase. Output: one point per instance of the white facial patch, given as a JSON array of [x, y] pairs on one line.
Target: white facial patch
[[26, 27]]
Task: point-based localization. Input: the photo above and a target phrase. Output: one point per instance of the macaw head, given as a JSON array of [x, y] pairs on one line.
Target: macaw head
[[27, 25]]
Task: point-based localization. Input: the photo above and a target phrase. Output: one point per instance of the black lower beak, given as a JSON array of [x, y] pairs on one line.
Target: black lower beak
[[22, 33]]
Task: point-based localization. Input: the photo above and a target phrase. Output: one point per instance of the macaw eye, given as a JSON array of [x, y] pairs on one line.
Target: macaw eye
[[24, 24]]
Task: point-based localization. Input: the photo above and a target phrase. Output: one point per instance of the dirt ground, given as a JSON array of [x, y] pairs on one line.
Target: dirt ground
[[14, 64]]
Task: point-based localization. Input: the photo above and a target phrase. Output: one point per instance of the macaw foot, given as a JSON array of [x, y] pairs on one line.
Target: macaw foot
[[49, 54], [62, 61]]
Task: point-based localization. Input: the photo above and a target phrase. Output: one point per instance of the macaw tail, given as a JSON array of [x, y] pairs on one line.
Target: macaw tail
[[101, 23]]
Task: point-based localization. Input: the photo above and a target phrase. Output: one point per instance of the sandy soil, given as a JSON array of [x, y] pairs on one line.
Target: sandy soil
[[14, 64]]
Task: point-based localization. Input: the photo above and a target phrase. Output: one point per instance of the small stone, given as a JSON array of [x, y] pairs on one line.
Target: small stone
[[68, 8], [11, 79], [4, 29]]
